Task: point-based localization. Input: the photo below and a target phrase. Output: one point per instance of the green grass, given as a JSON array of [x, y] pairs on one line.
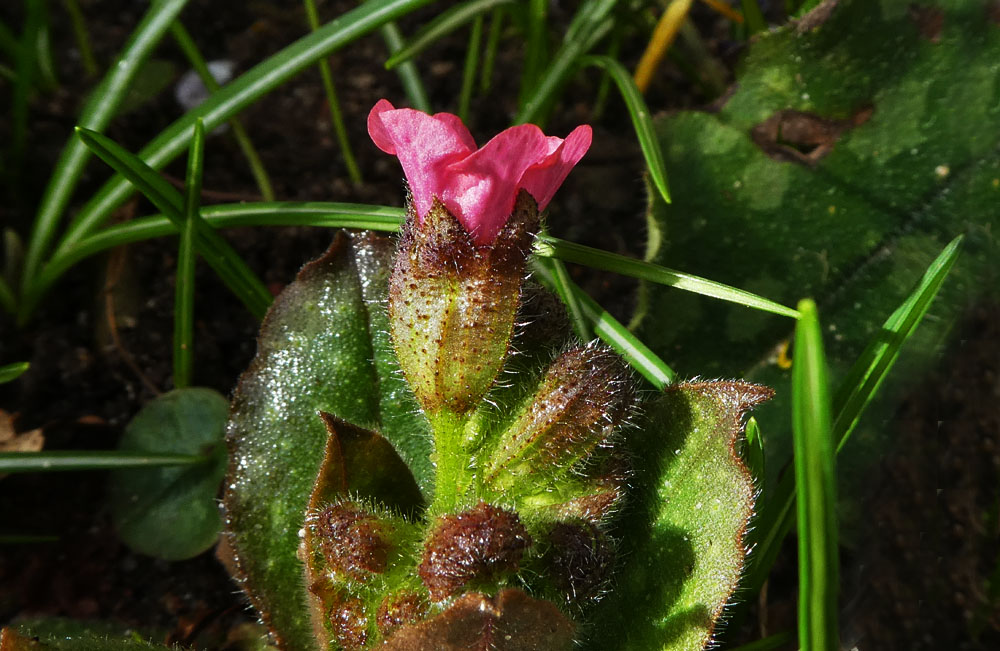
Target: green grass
[[815, 478]]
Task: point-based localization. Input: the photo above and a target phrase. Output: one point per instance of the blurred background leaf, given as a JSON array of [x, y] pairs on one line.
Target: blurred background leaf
[[852, 150]]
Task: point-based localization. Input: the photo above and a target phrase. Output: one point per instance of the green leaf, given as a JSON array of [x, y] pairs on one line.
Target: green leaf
[[324, 346], [171, 513], [836, 169], [184, 283], [683, 540], [10, 372], [815, 476], [215, 250]]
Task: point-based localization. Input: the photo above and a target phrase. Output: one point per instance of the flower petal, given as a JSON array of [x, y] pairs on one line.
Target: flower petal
[[542, 180], [481, 188], [425, 145]]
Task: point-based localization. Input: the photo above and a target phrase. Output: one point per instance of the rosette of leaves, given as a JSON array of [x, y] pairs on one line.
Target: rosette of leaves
[[511, 488]]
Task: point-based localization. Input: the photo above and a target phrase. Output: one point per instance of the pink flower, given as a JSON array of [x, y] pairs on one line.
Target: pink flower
[[478, 186]]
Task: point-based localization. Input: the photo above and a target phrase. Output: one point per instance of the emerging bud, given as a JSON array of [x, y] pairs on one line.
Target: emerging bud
[[485, 543], [400, 609], [583, 398], [354, 540], [452, 304], [579, 560]]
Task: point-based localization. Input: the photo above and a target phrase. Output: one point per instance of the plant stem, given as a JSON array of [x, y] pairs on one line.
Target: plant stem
[[469, 72], [82, 37], [336, 115], [197, 61]]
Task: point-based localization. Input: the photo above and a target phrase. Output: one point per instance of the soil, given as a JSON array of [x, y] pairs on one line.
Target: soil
[[99, 346]]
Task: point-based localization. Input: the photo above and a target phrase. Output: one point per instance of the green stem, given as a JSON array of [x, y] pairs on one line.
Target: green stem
[[336, 115], [82, 37], [451, 461], [407, 71], [187, 45], [66, 460], [490, 56], [471, 63]]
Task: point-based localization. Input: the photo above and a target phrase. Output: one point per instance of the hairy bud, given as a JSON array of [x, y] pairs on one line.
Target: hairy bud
[[452, 304], [481, 544], [582, 399]]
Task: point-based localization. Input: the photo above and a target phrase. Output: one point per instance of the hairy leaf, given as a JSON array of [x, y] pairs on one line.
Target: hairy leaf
[[323, 347], [852, 150], [682, 540]]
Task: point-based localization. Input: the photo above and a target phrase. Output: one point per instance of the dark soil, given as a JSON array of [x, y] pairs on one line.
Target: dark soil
[[99, 346]]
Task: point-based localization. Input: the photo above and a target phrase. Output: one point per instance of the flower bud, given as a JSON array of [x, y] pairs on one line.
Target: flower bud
[[482, 544], [583, 398], [452, 304]]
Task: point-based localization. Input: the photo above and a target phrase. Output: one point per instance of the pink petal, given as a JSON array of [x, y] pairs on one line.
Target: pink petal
[[542, 180], [425, 145], [481, 188]]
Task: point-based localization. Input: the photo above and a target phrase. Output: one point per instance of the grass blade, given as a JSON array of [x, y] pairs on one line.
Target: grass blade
[[470, 68], [663, 37], [610, 330], [82, 37], [8, 301], [443, 24], [536, 47], [879, 356], [815, 476], [66, 460], [492, 45], [291, 213], [10, 372], [336, 115], [210, 245], [855, 393], [641, 120], [753, 452], [552, 247], [101, 106], [197, 61], [563, 286], [184, 283], [406, 71], [235, 96], [589, 26]]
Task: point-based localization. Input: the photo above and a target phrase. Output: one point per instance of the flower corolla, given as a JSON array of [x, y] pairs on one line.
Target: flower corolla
[[478, 186]]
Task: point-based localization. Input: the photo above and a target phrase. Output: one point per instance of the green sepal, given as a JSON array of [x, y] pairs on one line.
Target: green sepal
[[452, 304]]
